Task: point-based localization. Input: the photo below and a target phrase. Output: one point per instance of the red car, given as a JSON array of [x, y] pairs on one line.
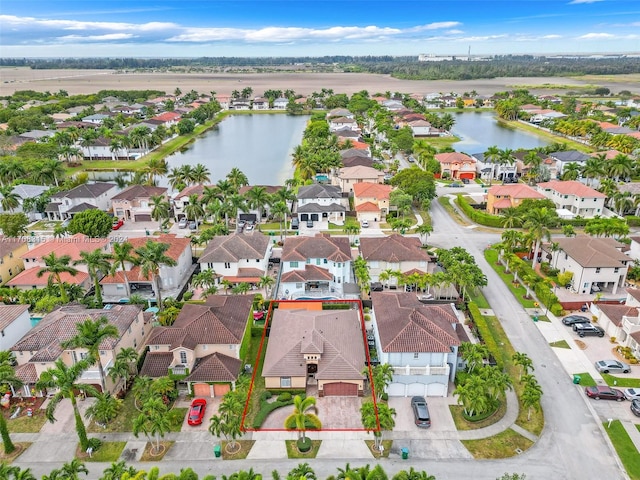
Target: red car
[[604, 393], [196, 411], [117, 224]]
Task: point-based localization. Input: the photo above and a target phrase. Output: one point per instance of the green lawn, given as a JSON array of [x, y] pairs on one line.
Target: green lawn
[[586, 380], [258, 384], [108, 452], [453, 213], [621, 382], [627, 451], [293, 452], [560, 344], [517, 290], [25, 424], [504, 445]]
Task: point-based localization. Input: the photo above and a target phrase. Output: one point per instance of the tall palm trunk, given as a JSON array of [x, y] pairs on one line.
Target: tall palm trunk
[[6, 439], [63, 292], [80, 428], [156, 285]]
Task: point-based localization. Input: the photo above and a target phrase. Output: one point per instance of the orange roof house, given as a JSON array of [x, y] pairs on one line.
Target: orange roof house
[[456, 165], [500, 197]]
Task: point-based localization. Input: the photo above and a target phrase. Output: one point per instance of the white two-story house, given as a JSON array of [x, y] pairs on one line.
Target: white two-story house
[[575, 197], [87, 196], [395, 253], [321, 203]]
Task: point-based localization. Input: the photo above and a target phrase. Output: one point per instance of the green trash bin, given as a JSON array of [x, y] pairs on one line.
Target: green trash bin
[[576, 379], [535, 318], [405, 453], [217, 451]]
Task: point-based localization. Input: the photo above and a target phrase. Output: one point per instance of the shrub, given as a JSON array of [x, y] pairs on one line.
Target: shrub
[[485, 333], [266, 409], [266, 395], [304, 444], [384, 396], [284, 397], [367, 317], [478, 216], [311, 423], [187, 296]]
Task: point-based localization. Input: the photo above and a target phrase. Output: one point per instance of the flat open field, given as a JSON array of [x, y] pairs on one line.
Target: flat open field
[[91, 81]]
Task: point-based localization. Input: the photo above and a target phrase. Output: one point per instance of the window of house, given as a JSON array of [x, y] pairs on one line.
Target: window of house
[[156, 347], [308, 261], [2, 333], [299, 285], [102, 353], [135, 343], [10, 254], [616, 270], [325, 261], [415, 355], [566, 256], [293, 264], [183, 357], [285, 382], [318, 261], [227, 265], [598, 270]]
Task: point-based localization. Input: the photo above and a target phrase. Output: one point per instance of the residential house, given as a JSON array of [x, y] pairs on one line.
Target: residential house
[[40, 347], [181, 200], [419, 341], [280, 103], [347, 177], [340, 112], [168, 119], [356, 160], [87, 196], [260, 103], [548, 165], [240, 104], [224, 101], [71, 246], [494, 170], [371, 201], [545, 114], [422, 128], [269, 189], [456, 165], [394, 253], [318, 348], [574, 197], [634, 248], [500, 197], [622, 322], [96, 118], [11, 262], [134, 202], [15, 322], [593, 261], [321, 203], [238, 257], [393, 105], [24, 191], [100, 148], [204, 347], [340, 123], [563, 158], [171, 279], [315, 266]]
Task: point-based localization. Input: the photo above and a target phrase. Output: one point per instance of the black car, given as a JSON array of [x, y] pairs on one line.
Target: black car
[[635, 407], [420, 412], [586, 329], [376, 287], [573, 319]]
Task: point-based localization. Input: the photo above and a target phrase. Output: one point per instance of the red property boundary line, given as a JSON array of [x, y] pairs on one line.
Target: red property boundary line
[[269, 316]]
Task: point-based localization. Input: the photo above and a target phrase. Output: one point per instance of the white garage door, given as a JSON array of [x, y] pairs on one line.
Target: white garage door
[[396, 390], [436, 390], [416, 389]]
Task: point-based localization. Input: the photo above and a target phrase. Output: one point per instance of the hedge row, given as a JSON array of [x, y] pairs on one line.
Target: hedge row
[[485, 333], [632, 220], [479, 216]]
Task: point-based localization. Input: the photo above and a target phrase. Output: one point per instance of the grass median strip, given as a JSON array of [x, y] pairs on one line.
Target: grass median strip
[[560, 344], [504, 445], [621, 382], [629, 455], [586, 380]]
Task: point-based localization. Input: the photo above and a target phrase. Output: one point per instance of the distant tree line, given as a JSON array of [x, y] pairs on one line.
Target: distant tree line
[[407, 67]]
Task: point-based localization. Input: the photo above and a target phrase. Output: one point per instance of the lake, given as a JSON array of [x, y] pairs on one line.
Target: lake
[[259, 145], [480, 130]]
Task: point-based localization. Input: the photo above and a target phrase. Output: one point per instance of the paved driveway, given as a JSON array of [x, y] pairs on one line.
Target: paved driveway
[[65, 422], [335, 413], [212, 409], [441, 420]]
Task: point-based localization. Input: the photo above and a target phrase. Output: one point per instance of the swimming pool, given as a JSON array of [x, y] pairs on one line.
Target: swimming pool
[[317, 298]]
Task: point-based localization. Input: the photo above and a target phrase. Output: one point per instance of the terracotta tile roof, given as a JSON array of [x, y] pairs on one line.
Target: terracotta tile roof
[[517, 190], [616, 312], [133, 275], [372, 190], [177, 245], [608, 155], [454, 157], [270, 189], [636, 336], [310, 273], [235, 247], [336, 249], [393, 248], [359, 171], [406, 325], [9, 244], [139, 191], [45, 338], [502, 203], [27, 373], [336, 333], [415, 270], [71, 246], [593, 252], [222, 319], [190, 190], [156, 364], [30, 277], [571, 187], [367, 207], [9, 313], [634, 292], [167, 116], [215, 368]]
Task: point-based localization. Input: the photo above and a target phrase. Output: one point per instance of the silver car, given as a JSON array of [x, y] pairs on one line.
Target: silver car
[[631, 393], [612, 366]]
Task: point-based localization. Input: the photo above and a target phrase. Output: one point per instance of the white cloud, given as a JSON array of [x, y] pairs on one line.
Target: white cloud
[[596, 36], [577, 2], [31, 22], [97, 38]]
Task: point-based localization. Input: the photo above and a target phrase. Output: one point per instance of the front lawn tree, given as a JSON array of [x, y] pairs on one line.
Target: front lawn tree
[[300, 408], [153, 421], [384, 420], [13, 224], [227, 422], [7, 378], [151, 257], [93, 223], [524, 361], [55, 266]]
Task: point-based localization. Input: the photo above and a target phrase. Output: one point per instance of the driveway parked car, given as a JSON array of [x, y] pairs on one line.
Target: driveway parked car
[[193, 225], [421, 412], [612, 366], [117, 223], [573, 319], [588, 329], [455, 185], [604, 393], [196, 411], [183, 222], [632, 393], [635, 407], [365, 224]]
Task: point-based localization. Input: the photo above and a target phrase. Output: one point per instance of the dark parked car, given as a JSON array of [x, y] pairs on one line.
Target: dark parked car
[[376, 287], [196, 411], [635, 407], [588, 329], [421, 412], [573, 319], [604, 393]]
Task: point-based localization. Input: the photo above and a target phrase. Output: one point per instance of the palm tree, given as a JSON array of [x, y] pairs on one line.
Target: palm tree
[[104, 409], [280, 210], [497, 381], [571, 171], [206, 280], [381, 377], [64, 379], [160, 209], [531, 395], [193, 210], [524, 361], [592, 169], [121, 255], [266, 282], [7, 378], [300, 415], [117, 470], [229, 419], [378, 421], [237, 178], [200, 174], [538, 222], [412, 475], [153, 420], [98, 265], [10, 201], [257, 198], [72, 470], [473, 354], [151, 257], [55, 266], [91, 335], [154, 168]]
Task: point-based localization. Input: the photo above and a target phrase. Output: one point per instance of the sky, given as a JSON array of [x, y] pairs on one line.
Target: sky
[[257, 28]]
